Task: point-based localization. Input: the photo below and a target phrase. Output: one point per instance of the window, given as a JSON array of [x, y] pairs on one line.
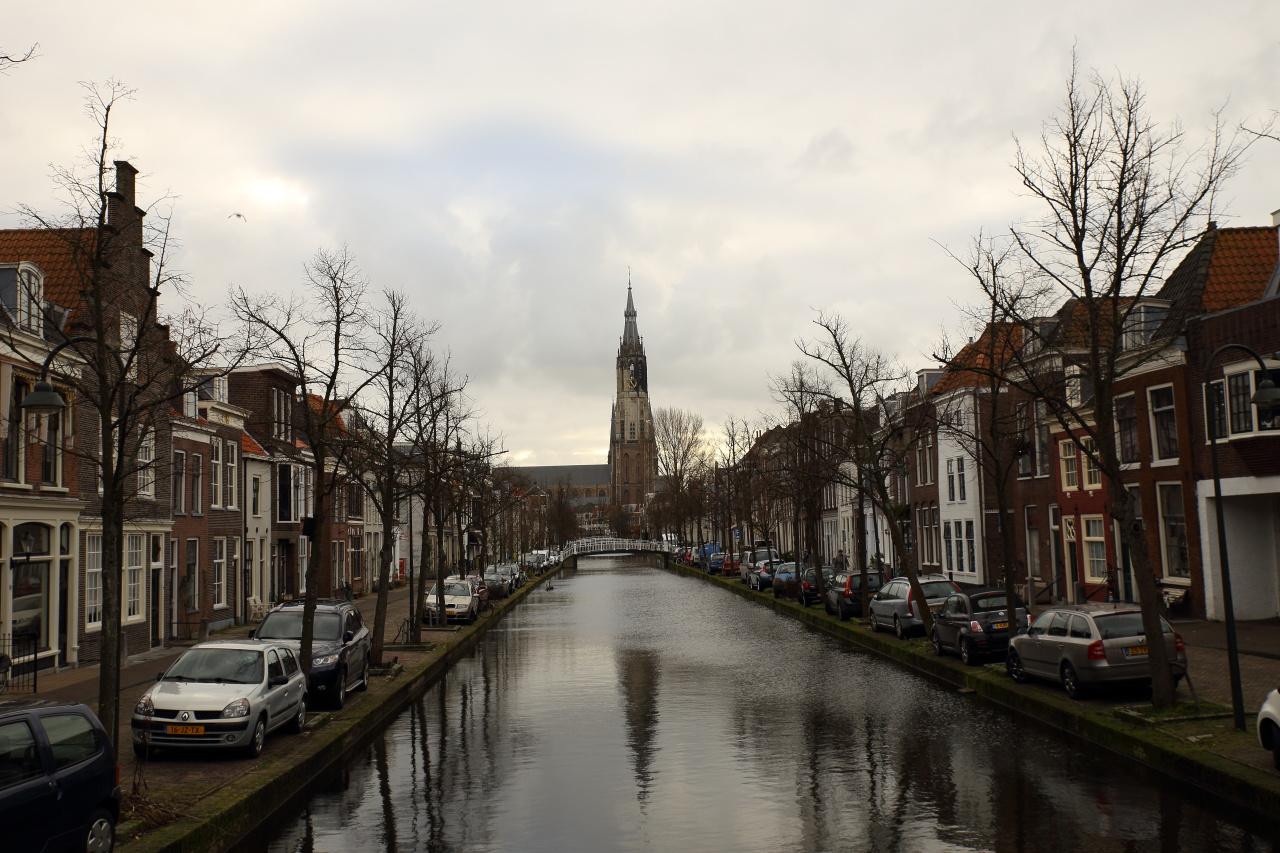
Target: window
[[1042, 439], [1033, 541], [15, 445], [19, 756], [1126, 411], [284, 493], [1095, 548], [128, 343], [189, 408], [339, 563], [93, 579], [232, 497], [281, 414], [146, 464], [51, 458], [1073, 386], [179, 489], [219, 572], [1238, 396], [960, 487], [1267, 421], [934, 547], [959, 547], [215, 473], [255, 495], [1023, 427], [946, 546], [31, 301], [1070, 474], [1164, 423], [197, 482], [1092, 473], [1141, 325], [631, 431], [72, 739], [1173, 531], [133, 575], [192, 577], [951, 480], [1080, 628], [968, 538]]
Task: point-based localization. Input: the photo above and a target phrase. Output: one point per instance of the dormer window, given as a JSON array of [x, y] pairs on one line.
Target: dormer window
[[189, 404], [31, 301], [1141, 325]]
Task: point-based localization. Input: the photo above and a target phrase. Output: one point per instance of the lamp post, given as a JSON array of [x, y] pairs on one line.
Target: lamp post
[[1266, 398]]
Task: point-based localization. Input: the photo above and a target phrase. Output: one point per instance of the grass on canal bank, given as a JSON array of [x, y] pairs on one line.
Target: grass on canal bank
[[1193, 743], [281, 777]]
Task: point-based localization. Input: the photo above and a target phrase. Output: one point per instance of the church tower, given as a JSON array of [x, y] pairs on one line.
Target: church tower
[[633, 454]]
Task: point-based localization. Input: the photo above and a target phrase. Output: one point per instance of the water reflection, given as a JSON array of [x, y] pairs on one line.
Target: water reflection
[[632, 710]]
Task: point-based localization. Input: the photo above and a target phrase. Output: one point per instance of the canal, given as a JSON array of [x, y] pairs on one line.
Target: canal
[[629, 709]]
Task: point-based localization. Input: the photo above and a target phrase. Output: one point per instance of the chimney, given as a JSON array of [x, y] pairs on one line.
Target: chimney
[[125, 174], [1275, 218]]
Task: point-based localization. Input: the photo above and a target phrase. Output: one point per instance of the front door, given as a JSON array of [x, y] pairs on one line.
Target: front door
[[156, 626]]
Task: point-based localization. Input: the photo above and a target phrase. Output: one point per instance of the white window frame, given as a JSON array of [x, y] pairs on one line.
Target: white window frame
[[1164, 551], [146, 477], [219, 561], [1156, 458], [135, 595], [1087, 540], [961, 490], [1092, 473], [1115, 416], [215, 473], [958, 537], [951, 481], [255, 495], [1069, 464], [179, 496], [93, 582], [193, 578], [190, 407], [197, 484], [30, 301], [229, 457]]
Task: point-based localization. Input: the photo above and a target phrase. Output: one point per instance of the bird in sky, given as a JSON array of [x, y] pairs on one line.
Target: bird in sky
[[239, 216]]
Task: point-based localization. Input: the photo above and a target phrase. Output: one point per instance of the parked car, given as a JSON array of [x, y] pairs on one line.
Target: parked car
[[977, 624], [762, 576], [477, 586], [222, 695], [59, 786], [715, 564], [894, 607], [340, 647], [730, 567], [1087, 645], [844, 593], [512, 574], [1269, 725], [807, 589], [499, 587], [751, 560], [461, 603], [786, 580]]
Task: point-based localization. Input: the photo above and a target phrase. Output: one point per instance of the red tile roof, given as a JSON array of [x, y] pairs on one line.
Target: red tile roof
[[1242, 264], [61, 254], [249, 445], [971, 364]]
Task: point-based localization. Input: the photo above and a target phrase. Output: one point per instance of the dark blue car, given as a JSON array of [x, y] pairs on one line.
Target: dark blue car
[[59, 786]]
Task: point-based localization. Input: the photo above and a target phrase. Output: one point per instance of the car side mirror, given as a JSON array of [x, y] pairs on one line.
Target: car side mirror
[[160, 676], [348, 636], [253, 635], [278, 681]]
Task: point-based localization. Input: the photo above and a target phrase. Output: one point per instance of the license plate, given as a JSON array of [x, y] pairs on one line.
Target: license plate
[[1136, 651], [999, 626], [184, 730]]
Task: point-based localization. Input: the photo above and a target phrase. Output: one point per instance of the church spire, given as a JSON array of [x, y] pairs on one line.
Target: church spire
[[630, 333]]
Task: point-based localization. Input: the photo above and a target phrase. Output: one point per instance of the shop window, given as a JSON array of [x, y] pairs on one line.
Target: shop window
[[1173, 531]]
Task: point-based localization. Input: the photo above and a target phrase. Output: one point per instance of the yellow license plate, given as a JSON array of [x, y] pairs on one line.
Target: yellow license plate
[[1136, 651], [999, 626], [184, 730]]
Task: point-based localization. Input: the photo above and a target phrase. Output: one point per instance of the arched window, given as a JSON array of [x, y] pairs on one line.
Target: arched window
[[31, 300]]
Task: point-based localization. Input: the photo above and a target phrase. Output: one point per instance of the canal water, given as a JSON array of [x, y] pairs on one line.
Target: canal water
[[629, 709]]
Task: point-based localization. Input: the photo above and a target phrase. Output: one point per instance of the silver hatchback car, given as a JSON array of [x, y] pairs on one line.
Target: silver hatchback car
[[893, 607], [1089, 645], [225, 695]]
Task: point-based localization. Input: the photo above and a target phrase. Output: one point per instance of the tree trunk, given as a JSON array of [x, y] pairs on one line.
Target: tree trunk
[[861, 546], [1151, 602], [315, 561], [384, 568], [112, 636]]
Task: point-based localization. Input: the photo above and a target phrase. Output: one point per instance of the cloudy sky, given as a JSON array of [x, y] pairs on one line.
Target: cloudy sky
[[504, 163]]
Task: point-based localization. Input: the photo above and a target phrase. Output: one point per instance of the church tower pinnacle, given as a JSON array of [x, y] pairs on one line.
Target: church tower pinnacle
[[632, 450]]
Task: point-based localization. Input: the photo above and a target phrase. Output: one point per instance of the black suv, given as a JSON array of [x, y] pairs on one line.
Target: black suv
[[339, 647], [59, 783]]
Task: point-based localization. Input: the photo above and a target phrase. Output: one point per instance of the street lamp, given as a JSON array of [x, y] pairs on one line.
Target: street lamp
[[43, 399], [1266, 398]]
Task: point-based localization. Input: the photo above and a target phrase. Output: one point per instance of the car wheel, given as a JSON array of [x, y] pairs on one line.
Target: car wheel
[[101, 837], [1013, 666], [967, 654], [1071, 681], [254, 749], [898, 630], [937, 643], [363, 685], [875, 623], [300, 719], [340, 690]]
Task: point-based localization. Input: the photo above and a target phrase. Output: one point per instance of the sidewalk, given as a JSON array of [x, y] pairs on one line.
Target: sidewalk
[[1259, 645]]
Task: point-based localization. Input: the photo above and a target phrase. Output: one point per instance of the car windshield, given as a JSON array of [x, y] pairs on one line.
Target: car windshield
[[492, 576], [287, 625], [1116, 626], [985, 603], [937, 589], [222, 666], [461, 589]]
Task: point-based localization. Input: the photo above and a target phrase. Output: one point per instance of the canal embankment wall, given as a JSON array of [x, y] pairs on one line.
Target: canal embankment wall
[[1204, 763], [281, 781]]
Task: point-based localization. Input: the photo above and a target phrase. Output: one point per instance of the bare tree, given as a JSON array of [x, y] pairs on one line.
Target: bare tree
[[1120, 198], [319, 336], [8, 60], [121, 360], [678, 437]]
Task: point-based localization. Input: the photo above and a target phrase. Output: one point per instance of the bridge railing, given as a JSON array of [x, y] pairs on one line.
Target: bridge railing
[[607, 544]]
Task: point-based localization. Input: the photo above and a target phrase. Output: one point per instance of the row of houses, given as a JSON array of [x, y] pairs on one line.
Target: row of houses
[[219, 516], [1067, 544]]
